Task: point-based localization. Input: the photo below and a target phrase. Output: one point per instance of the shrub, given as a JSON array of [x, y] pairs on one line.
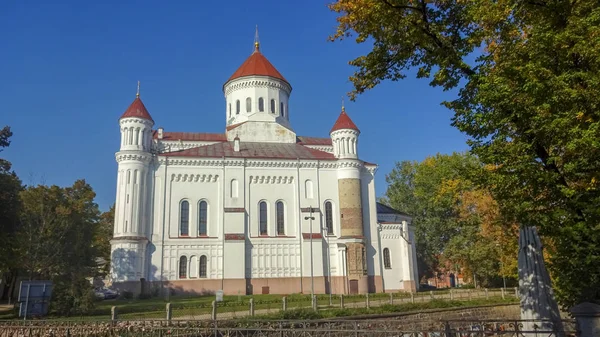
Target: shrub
[[126, 294]]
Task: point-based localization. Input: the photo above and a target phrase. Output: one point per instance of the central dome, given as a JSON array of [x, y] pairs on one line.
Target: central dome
[[257, 65]]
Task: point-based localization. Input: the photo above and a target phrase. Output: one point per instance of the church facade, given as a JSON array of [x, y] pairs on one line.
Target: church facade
[[256, 209]]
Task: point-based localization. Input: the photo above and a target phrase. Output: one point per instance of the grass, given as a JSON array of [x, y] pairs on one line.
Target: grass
[[306, 314], [200, 307]]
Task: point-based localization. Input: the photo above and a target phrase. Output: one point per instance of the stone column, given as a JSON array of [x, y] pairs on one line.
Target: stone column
[[588, 319]]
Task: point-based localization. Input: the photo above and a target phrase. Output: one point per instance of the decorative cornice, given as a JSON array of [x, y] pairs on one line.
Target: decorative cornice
[[208, 178], [135, 120], [244, 83], [271, 180], [231, 162], [350, 164], [345, 132], [133, 156], [129, 238]]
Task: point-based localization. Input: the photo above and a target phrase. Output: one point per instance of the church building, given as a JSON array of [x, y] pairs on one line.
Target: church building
[[256, 209]]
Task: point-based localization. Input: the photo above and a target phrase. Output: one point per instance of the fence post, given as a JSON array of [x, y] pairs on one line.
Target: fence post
[[469, 292], [587, 316], [412, 297], [451, 295], [487, 295], [169, 313], [502, 290], [342, 301], [516, 292], [213, 315], [431, 294], [367, 300], [284, 302], [251, 307], [314, 302], [114, 314], [391, 298]]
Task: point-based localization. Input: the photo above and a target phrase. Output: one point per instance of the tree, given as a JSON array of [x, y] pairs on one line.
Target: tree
[[102, 237], [528, 77], [456, 222], [58, 226], [10, 186]]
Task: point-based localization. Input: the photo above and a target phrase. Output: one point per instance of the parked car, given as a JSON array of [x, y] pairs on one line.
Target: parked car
[[105, 293]]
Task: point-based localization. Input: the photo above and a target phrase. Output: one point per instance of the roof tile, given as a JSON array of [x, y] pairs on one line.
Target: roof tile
[[257, 64], [137, 109], [344, 122]]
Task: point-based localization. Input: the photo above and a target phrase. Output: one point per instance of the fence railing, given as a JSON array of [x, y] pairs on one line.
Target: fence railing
[[463, 328]]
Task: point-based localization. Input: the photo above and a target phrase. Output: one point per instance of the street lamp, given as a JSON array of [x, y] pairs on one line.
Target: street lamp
[[326, 230], [312, 280]]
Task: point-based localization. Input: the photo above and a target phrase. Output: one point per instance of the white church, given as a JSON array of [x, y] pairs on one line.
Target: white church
[[257, 209]]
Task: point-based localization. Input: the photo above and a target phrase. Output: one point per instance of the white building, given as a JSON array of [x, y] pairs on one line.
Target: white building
[[232, 211]]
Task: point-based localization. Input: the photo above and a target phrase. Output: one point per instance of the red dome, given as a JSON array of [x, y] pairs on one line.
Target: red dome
[[344, 122], [257, 64], [137, 109]]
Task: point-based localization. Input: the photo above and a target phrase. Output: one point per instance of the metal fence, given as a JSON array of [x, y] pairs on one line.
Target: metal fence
[[233, 328]]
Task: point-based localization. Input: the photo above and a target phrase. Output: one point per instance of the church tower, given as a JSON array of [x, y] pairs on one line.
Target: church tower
[[132, 228], [344, 137], [257, 102]]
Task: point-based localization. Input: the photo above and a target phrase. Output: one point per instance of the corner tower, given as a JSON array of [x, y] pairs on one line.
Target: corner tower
[[344, 136], [257, 102], [131, 228]]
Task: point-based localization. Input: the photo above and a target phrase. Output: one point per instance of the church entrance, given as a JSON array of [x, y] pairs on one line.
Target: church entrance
[[353, 287]]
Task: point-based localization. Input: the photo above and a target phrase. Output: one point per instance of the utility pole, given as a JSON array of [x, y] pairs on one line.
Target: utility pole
[[312, 280]]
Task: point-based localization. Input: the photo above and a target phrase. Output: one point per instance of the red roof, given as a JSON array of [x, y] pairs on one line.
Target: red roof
[[314, 140], [344, 122], [253, 150], [257, 64], [193, 136], [137, 109]]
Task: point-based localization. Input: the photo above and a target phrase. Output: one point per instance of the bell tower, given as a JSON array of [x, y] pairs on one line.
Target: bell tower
[[132, 227], [344, 137]]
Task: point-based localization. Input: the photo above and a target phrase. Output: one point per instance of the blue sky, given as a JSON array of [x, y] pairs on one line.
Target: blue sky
[[69, 69]]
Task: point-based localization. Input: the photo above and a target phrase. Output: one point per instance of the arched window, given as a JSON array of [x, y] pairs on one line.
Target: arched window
[[386, 259], [272, 106], [281, 109], [262, 218], [184, 218], [202, 218], [261, 104], [203, 266], [280, 218], [183, 267], [329, 217], [248, 104], [237, 107], [309, 189]]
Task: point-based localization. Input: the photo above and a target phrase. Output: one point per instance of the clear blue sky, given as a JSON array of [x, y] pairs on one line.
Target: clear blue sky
[[68, 70]]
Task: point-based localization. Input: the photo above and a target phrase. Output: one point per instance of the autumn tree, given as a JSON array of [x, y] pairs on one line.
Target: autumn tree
[[456, 222], [102, 235], [528, 75]]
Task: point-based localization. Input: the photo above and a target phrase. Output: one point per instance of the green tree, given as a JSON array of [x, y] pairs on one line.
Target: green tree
[[102, 237], [456, 222], [58, 226], [10, 186], [529, 90]]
